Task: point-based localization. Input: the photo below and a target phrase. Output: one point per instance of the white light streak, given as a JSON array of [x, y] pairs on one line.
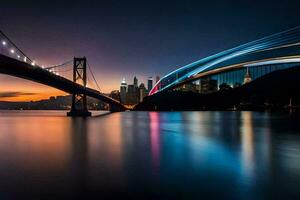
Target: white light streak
[[275, 61]]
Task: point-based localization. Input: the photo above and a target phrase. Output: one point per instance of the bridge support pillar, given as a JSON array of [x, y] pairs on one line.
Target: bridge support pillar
[[79, 101]]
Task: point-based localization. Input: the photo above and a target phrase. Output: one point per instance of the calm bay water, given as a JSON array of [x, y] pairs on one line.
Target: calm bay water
[[153, 155]]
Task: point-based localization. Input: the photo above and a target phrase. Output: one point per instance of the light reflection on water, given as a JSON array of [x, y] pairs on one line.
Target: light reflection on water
[[247, 141], [238, 155], [155, 138]]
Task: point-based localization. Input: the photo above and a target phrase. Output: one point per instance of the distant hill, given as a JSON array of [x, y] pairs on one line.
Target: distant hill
[[53, 103], [272, 91]]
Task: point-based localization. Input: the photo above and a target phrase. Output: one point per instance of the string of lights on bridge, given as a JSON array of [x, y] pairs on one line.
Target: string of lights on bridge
[[13, 52], [8, 48]]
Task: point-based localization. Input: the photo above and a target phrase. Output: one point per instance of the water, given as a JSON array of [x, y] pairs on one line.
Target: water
[[150, 155]]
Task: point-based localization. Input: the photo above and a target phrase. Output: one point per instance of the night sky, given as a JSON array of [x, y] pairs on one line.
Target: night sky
[[128, 38]]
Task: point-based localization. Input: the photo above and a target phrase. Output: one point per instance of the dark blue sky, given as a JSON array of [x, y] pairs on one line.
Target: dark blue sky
[[143, 38]]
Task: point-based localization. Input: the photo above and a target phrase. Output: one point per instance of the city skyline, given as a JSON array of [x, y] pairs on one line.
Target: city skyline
[[117, 43]]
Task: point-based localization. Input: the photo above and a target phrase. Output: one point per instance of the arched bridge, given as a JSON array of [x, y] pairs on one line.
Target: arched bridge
[[37, 74], [280, 48]]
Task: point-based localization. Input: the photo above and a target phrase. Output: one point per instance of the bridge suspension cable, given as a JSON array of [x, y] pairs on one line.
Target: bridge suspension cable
[[61, 68], [60, 65], [12, 48], [90, 69]]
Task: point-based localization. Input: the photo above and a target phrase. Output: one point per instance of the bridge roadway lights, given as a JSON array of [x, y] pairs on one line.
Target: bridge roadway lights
[[79, 102]]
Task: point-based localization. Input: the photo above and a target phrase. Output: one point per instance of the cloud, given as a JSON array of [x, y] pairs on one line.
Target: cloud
[[15, 94]]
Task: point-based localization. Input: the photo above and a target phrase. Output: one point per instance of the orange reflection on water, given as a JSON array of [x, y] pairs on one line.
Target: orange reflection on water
[[35, 142], [247, 135]]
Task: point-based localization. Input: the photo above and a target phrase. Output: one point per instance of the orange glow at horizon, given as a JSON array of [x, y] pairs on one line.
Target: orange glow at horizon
[[25, 90], [32, 97]]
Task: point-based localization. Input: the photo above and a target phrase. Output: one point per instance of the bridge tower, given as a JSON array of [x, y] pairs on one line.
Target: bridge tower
[[79, 102]]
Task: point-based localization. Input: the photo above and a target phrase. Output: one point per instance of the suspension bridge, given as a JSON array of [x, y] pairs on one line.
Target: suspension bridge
[[74, 76]]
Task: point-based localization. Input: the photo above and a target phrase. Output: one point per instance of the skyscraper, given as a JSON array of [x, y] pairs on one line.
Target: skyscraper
[[150, 83], [247, 78], [135, 82], [142, 92], [123, 91], [131, 94]]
